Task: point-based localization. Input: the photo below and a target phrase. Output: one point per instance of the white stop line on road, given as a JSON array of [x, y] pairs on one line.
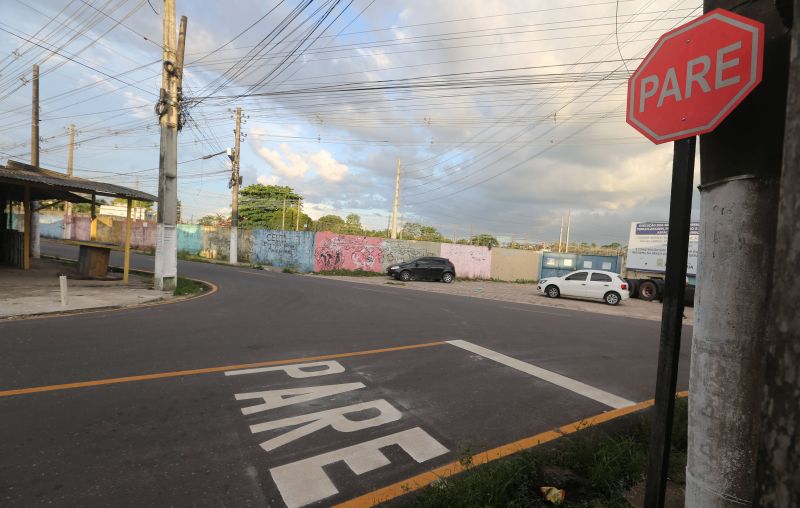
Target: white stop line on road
[[570, 384], [305, 481]]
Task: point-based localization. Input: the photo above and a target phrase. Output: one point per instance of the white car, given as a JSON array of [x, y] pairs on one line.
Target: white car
[[595, 284]]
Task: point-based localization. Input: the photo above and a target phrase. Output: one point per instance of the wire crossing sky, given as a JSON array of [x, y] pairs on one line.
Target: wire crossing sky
[[504, 114]]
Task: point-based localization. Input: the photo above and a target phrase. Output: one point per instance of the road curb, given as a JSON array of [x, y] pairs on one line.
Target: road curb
[[212, 288]]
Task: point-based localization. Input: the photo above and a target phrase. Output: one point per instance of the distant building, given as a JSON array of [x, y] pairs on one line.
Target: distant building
[[121, 211]]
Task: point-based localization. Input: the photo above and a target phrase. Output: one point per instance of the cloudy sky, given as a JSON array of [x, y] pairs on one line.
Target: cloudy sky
[[504, 114]]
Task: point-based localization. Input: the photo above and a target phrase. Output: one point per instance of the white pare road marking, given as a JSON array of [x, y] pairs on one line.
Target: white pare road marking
[[305, 481], [570, 384], [335, 418], [280, 398], [296, 370]]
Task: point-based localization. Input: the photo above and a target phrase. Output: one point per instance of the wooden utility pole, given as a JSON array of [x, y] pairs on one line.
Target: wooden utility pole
[[569, 224], [67, 233], [234, 251], [34, 205], [166, 262], [739, 188], [396, 200]]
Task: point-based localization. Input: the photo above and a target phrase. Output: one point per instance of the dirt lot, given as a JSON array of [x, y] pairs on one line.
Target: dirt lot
[[523, 293]]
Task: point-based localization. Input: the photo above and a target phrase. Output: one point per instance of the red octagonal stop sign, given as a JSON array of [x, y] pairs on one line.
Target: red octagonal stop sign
[[695, 76]]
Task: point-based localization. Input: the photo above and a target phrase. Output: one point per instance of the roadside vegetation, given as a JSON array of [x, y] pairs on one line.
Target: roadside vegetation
[[185, 287], [594, 466]]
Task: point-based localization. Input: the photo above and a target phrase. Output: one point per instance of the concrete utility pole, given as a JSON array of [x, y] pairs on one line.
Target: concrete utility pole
[[560, 232], [283, 216], [234, 251], [67, 232], [297, 219], [569, 223], [396, 200], [34, 237], [166, 262], [741, 167], [778, 467]]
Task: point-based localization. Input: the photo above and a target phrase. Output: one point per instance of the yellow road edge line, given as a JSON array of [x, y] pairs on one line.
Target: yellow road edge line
[[207, 370], [424, 479]]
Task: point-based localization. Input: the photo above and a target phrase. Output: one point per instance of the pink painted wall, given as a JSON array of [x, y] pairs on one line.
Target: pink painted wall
[[81, 228], [470, 261], [345, 252]]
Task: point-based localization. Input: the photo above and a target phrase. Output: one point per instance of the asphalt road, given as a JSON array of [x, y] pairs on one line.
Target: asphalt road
[[317, 435]]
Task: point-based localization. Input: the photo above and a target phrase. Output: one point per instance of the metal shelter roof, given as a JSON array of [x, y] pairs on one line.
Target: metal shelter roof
[[60, 186]]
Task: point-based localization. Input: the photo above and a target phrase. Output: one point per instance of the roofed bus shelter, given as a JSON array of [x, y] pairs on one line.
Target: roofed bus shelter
[[25, 184]]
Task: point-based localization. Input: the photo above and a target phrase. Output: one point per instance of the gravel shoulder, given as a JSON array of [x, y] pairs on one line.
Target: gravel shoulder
[[522, 293]]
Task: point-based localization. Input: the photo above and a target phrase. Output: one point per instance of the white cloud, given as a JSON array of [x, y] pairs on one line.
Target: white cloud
[[268, 179], [291, 165], [326, 166], [295, 165]]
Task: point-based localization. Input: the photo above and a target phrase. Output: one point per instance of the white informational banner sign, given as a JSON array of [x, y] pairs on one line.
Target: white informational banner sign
[[647, 247]]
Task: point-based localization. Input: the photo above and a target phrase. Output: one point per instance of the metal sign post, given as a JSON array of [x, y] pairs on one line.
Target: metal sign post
[[680, 211]]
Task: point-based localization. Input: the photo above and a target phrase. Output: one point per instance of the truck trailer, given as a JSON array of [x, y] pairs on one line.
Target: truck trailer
[[646, 262]]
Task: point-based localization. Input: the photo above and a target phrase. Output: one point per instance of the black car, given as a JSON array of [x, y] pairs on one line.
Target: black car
[[427, 268]]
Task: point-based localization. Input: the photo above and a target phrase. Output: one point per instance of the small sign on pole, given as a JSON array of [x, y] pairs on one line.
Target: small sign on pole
[[691, 80]]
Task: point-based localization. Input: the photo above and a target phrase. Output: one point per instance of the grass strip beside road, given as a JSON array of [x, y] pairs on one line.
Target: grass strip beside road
[[186, 287], [600, 464]]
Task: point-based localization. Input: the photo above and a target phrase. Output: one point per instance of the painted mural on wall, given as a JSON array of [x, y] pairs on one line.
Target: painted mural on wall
[[284, 249], [471, 261], [344, 252], [189, 239], [398, 251]]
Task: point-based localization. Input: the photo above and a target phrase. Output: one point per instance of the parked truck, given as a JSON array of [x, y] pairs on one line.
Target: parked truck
[[647, 260]]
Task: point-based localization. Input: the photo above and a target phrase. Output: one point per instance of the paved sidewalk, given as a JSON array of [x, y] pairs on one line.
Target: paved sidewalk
[[37, 290], [523, 293]]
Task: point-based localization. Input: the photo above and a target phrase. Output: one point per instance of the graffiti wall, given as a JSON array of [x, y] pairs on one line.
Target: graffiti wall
[[305, 251], [189, 239], [515, 264], [284, 249], [398, 251], [344, 252], [471, 261], [216, 243]]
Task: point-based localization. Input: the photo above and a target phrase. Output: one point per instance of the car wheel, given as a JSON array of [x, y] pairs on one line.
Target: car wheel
[[405, 275], [648, 291], [552, 291], [611, 298], [447, 278]]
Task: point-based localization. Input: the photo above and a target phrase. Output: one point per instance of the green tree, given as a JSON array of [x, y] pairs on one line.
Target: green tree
[[417, 231], [261, 206], [212, 220], [331, 223], [484, 239], [147, 205], [352, 224]]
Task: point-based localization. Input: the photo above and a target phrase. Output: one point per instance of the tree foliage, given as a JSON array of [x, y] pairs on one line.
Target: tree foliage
[[262, 206], [485, 240], [417, 231]]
